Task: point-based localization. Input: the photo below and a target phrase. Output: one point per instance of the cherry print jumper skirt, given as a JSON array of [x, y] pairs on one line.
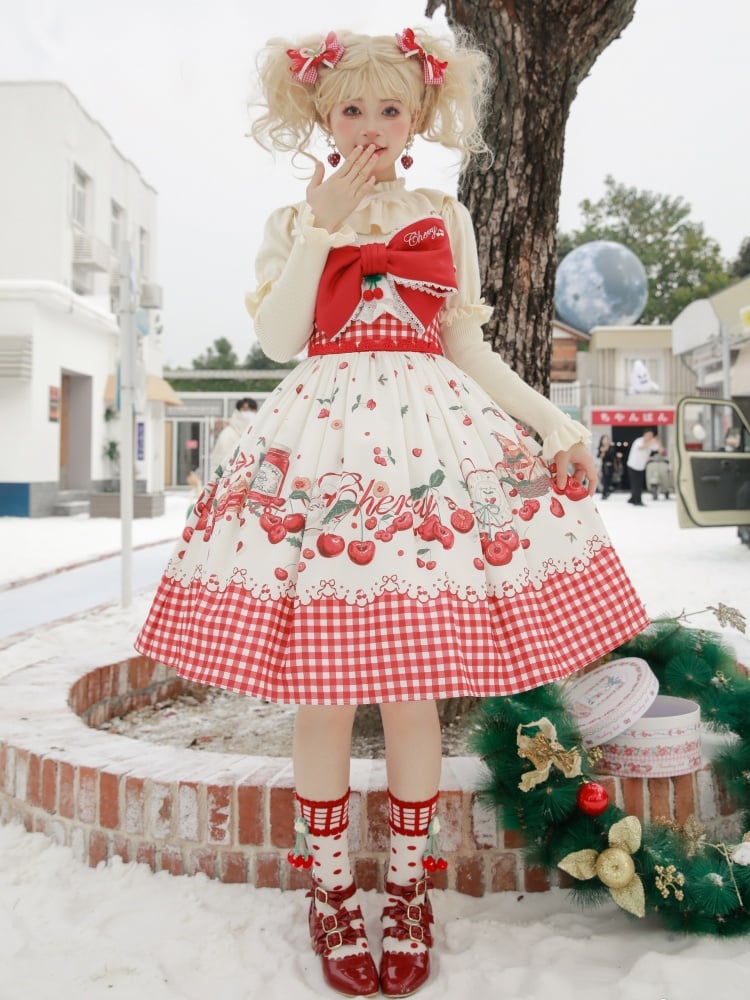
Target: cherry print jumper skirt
[[385, 531]]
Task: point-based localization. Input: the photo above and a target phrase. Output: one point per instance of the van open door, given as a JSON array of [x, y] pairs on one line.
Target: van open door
[[712, 482]]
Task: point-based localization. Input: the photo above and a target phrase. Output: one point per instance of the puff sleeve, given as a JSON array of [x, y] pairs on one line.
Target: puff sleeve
[[464, 345], [288, 269]]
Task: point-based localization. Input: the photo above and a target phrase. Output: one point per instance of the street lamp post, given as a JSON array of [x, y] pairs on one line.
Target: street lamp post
[[127, 401]]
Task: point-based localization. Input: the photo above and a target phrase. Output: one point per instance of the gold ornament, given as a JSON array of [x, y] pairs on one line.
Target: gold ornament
[[669, 878], [614, 866], [543, 750]]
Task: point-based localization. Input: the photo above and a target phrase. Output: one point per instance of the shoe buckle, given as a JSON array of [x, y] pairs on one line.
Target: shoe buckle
[[415, 932], [414, 913], [329, 923], [334, 939], [321, 895], [420, 888]]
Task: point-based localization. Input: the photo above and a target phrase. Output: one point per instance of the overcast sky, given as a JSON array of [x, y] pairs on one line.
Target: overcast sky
[[665, 108]]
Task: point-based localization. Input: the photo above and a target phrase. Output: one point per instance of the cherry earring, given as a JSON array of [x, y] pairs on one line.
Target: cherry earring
[[406, 159], [334, 157]]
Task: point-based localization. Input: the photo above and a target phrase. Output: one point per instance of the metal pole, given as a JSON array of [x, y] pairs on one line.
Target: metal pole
[[127, 399], [725, 362]]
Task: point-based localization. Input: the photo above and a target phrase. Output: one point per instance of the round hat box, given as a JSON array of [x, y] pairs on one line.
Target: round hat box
[[663, 743], [640, 733], [608, 699]]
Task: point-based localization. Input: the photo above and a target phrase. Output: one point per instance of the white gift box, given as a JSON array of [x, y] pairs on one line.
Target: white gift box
[[641, 733]]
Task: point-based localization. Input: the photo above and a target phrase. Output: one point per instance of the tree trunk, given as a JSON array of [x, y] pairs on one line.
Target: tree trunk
[[539, 54]]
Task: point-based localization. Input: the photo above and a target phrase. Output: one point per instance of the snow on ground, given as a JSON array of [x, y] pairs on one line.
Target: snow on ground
[[120, 931]]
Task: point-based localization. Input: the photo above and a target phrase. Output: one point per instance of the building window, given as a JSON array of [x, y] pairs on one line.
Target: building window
[[143, 249], [81, 189], [115, 226]]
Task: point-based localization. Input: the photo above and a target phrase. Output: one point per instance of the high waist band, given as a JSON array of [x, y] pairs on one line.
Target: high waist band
[[350, 345]]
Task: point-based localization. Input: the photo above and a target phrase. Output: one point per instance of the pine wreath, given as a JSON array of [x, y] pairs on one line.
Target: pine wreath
[[541, 784]]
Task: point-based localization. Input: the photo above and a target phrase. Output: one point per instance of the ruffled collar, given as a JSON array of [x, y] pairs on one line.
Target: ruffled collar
[[387, 207]]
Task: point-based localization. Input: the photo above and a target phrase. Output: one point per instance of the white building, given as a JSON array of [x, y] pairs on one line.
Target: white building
[[713, 337], [68, 199]]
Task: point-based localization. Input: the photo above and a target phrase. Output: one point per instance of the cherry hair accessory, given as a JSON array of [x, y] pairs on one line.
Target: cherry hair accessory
[[433, 68], [305, 62]]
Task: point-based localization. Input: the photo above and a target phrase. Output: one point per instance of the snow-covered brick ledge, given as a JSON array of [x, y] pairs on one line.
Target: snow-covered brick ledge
[[231, 817]]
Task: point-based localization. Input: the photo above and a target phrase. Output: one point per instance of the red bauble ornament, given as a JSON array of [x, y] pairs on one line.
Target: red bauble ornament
[[592, 798]]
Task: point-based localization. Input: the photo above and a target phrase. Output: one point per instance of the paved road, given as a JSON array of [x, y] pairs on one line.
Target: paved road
[[73, 591]]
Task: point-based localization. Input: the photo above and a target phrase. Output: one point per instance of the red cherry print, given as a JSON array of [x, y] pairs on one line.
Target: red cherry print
[[239, 546], [426, 530], [509, 538], [592, 798], [280, 573], [479, 563], [371, 404], [361, 553], [299, 388], [416, 452], [376, 451], [467, 420], [431, 564], [368, 295], [377, 293], [444, 535], [294, 522], [181, 554], [187, 533], [308, 553], [525, 543], [325, 412], [556, 508], [269, 520], [379, 460], [301, 567], [277, 534], [498, 553], [370, 523], [513, 492], [420, 562], [330, 545], [404, 521], [462, 520]]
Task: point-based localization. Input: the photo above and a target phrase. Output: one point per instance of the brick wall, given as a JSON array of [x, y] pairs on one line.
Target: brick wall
[[231, 817]]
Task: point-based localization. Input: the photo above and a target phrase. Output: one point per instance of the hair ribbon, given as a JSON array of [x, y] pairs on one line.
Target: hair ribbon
[[305, 62], [433, 68]]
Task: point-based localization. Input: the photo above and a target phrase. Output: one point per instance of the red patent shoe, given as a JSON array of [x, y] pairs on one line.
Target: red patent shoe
[[354, 975], [404, 972]]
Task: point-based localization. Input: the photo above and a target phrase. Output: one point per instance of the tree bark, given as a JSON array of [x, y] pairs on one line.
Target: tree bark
[[539, 53]]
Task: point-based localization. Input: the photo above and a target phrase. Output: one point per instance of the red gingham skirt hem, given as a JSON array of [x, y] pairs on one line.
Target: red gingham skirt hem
[[395, 648]]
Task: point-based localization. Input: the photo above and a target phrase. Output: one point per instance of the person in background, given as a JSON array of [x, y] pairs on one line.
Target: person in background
[[641, 450], [607, 457], [244, 412]]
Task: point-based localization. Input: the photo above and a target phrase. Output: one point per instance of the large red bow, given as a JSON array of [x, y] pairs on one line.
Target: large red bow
[[305, 61], [433, 68], [417, 262]]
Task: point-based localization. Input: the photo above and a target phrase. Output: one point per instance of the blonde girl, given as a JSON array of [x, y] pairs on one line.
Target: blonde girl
[[387, 532]]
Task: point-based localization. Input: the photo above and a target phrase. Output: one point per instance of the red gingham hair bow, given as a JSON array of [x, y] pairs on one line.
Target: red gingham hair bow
[[433, 68], [305, 62]]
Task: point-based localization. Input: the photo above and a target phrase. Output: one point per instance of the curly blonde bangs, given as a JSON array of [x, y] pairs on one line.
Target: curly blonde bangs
[[450, 113]]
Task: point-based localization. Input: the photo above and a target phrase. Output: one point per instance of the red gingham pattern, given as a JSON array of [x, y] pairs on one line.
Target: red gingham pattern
[[411, 818], [325, 819], [394, 648], [387, 333]]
